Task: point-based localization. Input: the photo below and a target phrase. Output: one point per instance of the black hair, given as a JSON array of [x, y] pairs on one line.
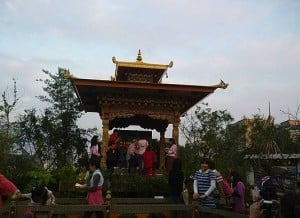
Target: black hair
[[205, 161], [172, 141], [39, 194], [177, 165], [95, 161], [211, 165], [236, 177], [94, 140]]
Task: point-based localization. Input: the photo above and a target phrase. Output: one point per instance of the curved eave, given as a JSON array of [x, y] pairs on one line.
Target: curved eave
[[137, 86], [89, 91]]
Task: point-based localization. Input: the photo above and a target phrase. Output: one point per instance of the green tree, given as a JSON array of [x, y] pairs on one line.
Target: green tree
[[230, 154], [53, 134], [287, 144], [263, 133], [206, 134], [8, 103], [206, 129], [291, 144]]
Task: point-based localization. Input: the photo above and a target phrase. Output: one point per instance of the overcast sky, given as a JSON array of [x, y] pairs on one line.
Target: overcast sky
[[252, 45]]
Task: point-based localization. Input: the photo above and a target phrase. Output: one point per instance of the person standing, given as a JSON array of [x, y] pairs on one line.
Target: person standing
[[149, 162], [131, 158], [94, 148], [238, 195], [218, 192], [204, 185], [175, 180], [122, 162], [94, 187], [171, 154], [114, 140], [267, 190], [112, 150], [142, 145]]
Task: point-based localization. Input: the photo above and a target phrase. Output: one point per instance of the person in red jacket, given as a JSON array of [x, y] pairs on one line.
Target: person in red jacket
[[149, 157], [114, 140], [7, 189]]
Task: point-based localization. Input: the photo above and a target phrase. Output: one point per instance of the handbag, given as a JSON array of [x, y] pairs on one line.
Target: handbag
[[185, 194]]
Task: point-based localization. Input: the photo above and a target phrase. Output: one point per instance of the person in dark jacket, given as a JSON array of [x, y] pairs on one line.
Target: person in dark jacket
[[176, 179]]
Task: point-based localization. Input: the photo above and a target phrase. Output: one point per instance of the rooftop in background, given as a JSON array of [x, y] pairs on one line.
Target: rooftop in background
[[291, 123]]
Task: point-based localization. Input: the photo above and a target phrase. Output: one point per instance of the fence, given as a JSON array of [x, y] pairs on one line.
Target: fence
[[119, 208]]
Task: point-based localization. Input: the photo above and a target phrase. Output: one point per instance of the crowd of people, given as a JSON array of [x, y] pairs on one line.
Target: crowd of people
[[137, 155], [210, 188]]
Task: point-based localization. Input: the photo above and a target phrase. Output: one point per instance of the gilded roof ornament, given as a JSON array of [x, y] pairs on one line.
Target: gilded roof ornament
[[140, 64], [139, 57], [66, 73], [221, 85]]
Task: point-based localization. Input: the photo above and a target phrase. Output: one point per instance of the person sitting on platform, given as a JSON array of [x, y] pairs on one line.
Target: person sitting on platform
[[149, 162]]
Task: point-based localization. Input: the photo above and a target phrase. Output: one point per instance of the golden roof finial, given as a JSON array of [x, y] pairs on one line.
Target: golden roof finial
[[66, 73], [114, 60], [139, 57], [221, 85]]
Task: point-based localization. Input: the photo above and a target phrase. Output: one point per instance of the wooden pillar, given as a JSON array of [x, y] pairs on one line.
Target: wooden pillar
[[175, 133], [162, 150], [105, 128]]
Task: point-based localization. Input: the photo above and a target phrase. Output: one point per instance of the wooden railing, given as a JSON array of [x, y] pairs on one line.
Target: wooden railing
[[117, 207]]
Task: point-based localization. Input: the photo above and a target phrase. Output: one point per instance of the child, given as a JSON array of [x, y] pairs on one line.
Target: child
[[40, 195]]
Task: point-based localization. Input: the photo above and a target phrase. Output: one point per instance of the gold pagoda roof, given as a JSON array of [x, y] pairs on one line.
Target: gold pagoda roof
[[91, 91], [140, 71], [136, 95]]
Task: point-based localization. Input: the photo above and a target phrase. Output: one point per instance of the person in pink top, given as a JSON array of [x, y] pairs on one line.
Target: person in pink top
[[171, 154], [94, 148]]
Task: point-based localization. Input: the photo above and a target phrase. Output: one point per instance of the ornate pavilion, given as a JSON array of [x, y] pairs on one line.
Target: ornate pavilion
[[137, 96]]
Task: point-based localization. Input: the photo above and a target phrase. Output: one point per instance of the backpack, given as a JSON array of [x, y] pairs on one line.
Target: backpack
[[227, 190]]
